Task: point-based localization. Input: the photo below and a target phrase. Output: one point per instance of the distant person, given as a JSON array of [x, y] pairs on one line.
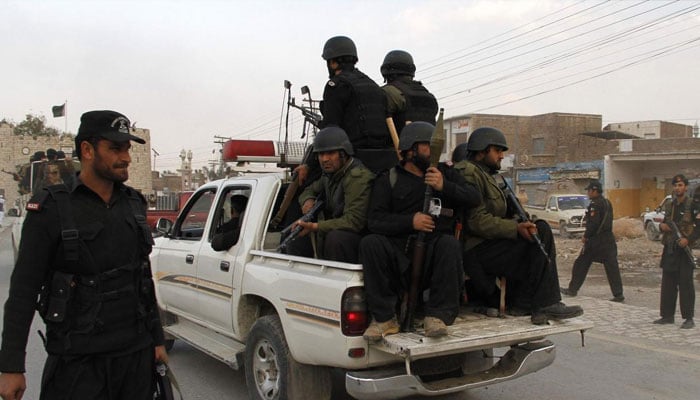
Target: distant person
[[84, 257], [677, 267], [598, 245], [344, 188], [227, 234], [407, 99], [497, 244], [51, 154]]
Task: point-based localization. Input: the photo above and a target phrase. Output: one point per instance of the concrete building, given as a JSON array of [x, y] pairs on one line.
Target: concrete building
[[634, 160], [16, 149]]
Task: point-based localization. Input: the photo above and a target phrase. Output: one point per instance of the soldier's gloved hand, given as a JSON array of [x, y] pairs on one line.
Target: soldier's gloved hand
[[526, 230], [308, 204], [433, 177], [423, 222]]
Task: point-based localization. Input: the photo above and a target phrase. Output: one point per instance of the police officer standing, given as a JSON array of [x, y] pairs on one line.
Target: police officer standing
[[598, 245], [355, 103], [677, 267], [84, 253], [497, 244], [395, 217], [407, 99], [344, 189]]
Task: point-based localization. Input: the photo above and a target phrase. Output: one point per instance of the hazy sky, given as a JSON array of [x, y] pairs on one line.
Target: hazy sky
[[190, 70]]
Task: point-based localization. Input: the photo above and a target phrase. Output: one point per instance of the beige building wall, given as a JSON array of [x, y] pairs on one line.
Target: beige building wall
[[15, 151]]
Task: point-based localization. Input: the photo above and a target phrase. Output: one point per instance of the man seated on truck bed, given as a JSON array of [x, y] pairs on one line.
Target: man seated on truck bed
[[395, 218], [227, 234], [344, 189], [497, 244]]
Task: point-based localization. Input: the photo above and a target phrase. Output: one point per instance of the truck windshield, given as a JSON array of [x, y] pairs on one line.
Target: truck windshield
[[573, 202]]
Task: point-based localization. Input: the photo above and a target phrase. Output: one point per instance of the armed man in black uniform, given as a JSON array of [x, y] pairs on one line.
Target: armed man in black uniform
[[355, 103], [598, 245], [498, 244], [84, 253], [407, 99], [677, 263], [395, 217]]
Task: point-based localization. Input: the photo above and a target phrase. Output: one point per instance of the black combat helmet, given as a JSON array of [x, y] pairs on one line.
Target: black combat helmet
[[482, 138], [415, 132], [460, 153], [398, 62], [332, 138], [339, 46]]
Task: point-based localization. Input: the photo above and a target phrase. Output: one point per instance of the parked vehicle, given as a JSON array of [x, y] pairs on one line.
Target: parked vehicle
[[564, 212], [166, 209], [288, 320], [652, 219]]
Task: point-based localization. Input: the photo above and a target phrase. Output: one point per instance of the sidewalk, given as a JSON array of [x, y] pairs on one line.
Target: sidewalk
[[634, 322]]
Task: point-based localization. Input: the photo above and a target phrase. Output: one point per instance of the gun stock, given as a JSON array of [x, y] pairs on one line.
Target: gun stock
[[677, 233]]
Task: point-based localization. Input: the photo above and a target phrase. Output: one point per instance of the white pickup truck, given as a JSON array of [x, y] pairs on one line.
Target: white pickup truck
[[288, 320], [564, 212]]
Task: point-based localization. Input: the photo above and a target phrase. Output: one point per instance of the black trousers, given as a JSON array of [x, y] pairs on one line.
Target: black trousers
[[387, 276], [533, 278], [677, 282], [97, 377], [341, 246], [601, 249]]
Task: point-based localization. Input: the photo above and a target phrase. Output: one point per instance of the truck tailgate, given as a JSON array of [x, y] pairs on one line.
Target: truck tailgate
[[475, 332]]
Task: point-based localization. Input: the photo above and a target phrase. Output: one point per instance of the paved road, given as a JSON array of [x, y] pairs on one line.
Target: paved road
[[625, 357]]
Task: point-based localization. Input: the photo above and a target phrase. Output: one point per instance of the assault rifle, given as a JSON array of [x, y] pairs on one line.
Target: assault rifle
[[308, 217], [677, 233], [521, 214], [437, 141], [15, 175]]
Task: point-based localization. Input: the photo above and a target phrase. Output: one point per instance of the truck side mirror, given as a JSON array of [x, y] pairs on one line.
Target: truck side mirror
[[163, 226], [553, 208]]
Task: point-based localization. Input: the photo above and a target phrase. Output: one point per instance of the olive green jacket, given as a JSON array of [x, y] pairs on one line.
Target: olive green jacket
[[345, 197], [488, 220]]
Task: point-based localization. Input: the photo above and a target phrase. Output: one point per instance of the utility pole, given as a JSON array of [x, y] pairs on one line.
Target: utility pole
[[221, 140], [155, 154]]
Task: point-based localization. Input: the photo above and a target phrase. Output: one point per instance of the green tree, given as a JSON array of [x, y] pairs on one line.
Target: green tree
[[34, 125]]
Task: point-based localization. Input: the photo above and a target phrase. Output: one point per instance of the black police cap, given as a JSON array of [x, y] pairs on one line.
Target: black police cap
[[105, 124]]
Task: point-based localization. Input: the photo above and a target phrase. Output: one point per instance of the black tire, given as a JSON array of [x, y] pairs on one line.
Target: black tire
[[651, 231], [169, 343], [563, 230], [272, 374]]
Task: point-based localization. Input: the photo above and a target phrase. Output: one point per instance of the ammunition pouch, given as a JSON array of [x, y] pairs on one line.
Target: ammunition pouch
[[55, 297]]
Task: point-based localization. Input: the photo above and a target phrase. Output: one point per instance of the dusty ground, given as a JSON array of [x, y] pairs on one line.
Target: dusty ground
[[639, 265]]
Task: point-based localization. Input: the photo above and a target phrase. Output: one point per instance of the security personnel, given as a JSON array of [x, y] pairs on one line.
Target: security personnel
[[344, 188], [407, 99], [598, 245], [676, 265], [84, 253], [497, 245], [227, 234], [355, 103], [395, 218]]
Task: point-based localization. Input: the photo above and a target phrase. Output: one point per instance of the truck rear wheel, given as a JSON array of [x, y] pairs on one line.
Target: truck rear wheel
[[271, 372]]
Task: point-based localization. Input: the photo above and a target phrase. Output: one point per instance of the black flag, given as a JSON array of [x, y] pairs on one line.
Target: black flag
[[59, 111]]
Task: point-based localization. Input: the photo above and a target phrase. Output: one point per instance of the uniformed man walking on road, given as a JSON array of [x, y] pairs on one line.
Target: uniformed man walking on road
[[407, 99], [84, 252], [676, 264], [395, 217], [497, 244], [598, 245], [344, 187]]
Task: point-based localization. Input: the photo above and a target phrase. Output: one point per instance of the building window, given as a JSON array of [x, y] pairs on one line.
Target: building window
[[538, 145]]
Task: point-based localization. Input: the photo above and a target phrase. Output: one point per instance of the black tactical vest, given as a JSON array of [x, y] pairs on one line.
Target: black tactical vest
[[97, 310], [421, 105], [365, 117]]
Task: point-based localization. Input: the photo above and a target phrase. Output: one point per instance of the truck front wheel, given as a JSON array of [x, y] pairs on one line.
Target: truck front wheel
[[271, 372], [563, 230]]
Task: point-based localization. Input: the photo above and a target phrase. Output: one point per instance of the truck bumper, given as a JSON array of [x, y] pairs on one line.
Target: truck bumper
[[382, 384]]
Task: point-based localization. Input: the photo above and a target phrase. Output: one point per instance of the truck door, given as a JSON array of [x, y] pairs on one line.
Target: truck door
[[220, 256], [178, 257]]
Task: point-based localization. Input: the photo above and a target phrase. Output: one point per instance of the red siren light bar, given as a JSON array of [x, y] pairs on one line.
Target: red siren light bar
[[266, 151]]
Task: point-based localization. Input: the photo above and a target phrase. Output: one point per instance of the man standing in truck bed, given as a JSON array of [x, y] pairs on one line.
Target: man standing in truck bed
[[598, 245]]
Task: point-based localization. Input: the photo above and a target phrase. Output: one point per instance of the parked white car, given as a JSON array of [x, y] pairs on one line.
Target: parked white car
[[653, 218]]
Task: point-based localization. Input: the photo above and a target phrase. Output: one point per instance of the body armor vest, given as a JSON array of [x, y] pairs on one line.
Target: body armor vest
[[95, 311], [365, 120], [421, 105]]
